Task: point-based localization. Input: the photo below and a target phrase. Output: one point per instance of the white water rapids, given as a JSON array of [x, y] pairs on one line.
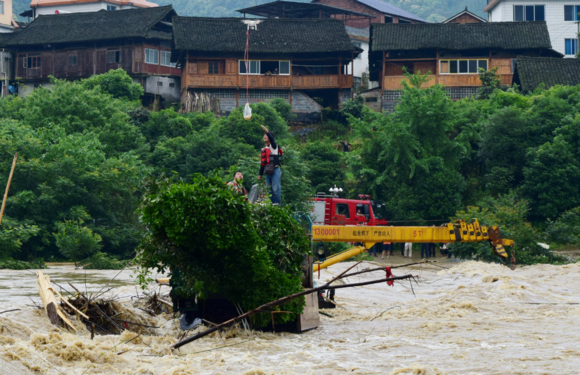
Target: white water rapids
[[470, 318]]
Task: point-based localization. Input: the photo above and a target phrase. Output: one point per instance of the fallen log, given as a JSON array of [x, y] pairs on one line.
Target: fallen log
[[55, 315], [279, 302]]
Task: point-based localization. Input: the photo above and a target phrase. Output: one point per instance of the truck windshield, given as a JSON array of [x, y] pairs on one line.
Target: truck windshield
[[379, 210]]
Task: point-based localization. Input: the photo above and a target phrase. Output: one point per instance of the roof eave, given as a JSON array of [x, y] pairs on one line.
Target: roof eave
[[491, 5]]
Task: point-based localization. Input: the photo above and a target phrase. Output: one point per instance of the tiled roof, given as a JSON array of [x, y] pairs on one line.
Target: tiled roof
[[289, 35], [137, 3], [387, 8], [532, 71], [95, 26], [455, 36]]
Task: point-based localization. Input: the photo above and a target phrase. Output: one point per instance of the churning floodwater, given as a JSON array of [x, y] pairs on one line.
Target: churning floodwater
[[469, 318]]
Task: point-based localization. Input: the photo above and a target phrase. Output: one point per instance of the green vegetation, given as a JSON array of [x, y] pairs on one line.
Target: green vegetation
[[86, 149], [211, 240]]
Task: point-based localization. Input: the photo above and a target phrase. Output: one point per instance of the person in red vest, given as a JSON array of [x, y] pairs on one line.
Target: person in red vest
[[270, 166]]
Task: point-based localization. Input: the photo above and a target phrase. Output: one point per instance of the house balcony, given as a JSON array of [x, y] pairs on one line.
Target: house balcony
[[448, 80], [272, 82]]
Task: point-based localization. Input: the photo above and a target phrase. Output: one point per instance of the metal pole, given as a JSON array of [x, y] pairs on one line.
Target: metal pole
[[8, 187]]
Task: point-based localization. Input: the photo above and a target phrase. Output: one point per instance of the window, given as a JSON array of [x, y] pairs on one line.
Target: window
[[159, 83], [253, 65], [571, 46], [151, 56], [266, 67], [284, 67], [371, 99], [571, 12], [462, 66], [342, 209], [356, 44], [1, 7], [166, 59], [72, 60], [172, 84], [111, 7], [32, 62], [529, 13], [214, 67], [113, 57]]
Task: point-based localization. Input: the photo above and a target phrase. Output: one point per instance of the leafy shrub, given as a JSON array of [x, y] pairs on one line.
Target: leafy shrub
[[116, 83], [12, 264], [508, 212], [283, 108], [102, 261], [250, 254], [566, 229], [76, 241]]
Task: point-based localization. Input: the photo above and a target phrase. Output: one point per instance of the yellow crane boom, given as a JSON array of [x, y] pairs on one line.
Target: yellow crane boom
[[460, 231]]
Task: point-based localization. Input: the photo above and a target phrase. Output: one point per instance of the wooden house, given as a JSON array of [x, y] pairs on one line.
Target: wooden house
[[531, 72], [452, 53], [379, 10], [300, 60], [465, 16], [78, 45]]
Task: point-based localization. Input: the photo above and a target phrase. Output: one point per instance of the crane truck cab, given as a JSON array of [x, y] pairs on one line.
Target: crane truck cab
[[331, 210]]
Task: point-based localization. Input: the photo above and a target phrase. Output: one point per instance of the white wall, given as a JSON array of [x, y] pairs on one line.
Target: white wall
[[78, 8], [160, 85], [361, 64], [558, 28]]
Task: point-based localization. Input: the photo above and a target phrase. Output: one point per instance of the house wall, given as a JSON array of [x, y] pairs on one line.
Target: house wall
[[554, 10], [167, 87], [6, 17], [358, 7], [360, 65], [465, 18], [302, 104]]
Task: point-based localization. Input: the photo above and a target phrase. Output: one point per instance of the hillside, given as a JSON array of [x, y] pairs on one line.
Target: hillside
[[431, 10]]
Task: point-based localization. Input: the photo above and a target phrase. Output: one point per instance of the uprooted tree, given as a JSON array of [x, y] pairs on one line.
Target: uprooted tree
[[249, 254]]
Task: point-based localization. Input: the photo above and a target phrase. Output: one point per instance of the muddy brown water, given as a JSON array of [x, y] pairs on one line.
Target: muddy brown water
[[465, 318]]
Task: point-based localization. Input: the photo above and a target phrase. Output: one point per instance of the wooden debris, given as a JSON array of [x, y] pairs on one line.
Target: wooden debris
[[55, 314], [199, 102]]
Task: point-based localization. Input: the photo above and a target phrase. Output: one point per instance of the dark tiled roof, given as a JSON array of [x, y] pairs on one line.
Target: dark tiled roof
[[94, 26], [454, 36], [288, 35], [387, 8], [532, 71], [5, 37]]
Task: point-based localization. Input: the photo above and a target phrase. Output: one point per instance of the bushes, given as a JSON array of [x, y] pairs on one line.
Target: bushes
[[216, 240]]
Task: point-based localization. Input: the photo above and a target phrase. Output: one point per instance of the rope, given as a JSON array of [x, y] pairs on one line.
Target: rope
[[247, 61]]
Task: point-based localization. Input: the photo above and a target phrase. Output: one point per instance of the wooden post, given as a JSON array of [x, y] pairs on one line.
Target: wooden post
[[8, 187], [339, 81], [237, 98]]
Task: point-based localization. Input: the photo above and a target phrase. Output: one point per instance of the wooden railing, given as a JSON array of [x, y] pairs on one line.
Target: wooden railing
[[268, 82], [450, 80]]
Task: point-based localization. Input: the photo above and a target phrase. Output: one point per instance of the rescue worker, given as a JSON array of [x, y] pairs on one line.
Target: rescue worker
[[270, 165], [236, 184]]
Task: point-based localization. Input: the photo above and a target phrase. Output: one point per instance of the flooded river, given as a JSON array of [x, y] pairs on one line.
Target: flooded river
[[466, 318]]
